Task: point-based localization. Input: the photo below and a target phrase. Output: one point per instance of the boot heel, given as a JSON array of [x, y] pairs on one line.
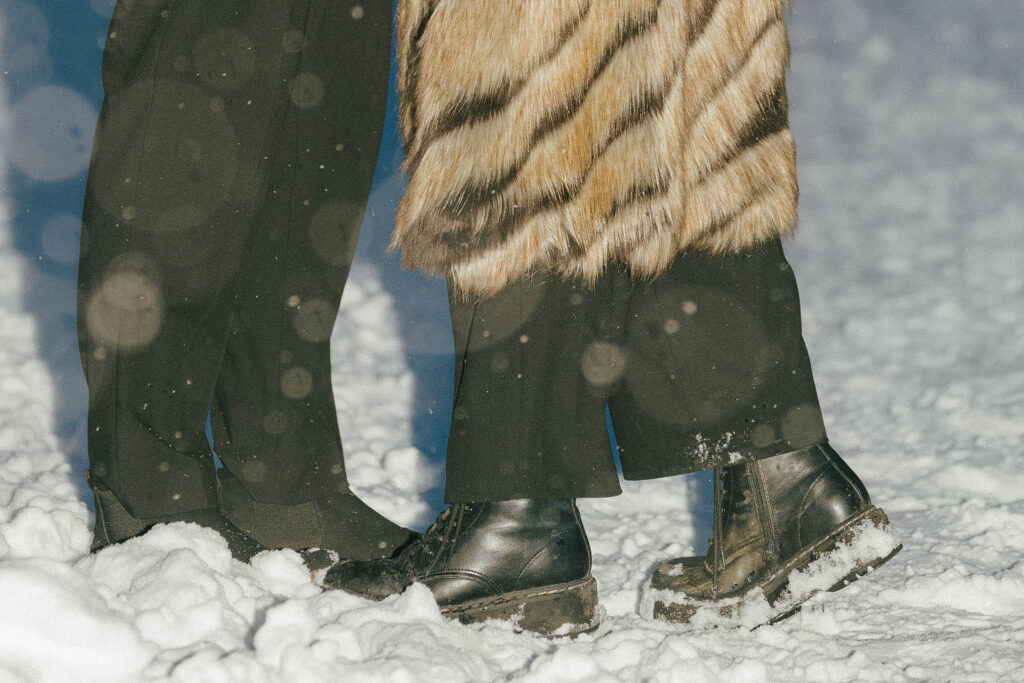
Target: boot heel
[[567, 609]]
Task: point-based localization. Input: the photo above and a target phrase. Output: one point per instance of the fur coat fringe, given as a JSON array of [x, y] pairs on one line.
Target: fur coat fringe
[[562, 135]]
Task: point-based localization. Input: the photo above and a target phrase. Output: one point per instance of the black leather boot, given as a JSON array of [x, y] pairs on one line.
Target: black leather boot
[[115, 524], [525, 560], [342, 524], [785, 527]]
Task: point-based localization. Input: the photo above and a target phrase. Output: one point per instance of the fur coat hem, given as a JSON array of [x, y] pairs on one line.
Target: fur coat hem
[[567, 134]]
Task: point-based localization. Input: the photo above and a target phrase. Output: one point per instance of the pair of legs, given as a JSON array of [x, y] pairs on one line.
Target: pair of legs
[[233, 161], [703, 367]]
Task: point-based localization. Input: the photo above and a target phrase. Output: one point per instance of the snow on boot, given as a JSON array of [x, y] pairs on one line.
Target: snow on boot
[[525, 561], [342, 525], [785, 528], [115, 524]]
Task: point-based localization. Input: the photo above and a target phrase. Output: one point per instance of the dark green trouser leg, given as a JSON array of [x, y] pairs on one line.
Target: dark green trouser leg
[[232, 165], [702, 367]]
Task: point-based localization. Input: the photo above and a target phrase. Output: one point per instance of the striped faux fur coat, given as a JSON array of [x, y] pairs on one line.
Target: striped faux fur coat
[[564, 134]]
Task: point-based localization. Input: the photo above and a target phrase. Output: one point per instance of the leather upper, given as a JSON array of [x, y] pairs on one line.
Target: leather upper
[[478, 550], [775, 507]]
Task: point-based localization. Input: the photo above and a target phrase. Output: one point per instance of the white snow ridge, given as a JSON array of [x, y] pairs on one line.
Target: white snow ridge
[[909, 118]]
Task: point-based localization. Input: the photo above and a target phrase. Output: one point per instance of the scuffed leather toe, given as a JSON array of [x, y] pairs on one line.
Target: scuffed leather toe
[[681, 574], [373, 579]]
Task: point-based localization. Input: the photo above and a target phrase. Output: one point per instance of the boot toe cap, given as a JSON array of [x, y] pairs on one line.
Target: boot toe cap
[[679, 574], [373, 579]]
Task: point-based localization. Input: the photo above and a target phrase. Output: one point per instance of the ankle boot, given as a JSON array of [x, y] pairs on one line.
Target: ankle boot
[[527, 561], [342, 524], [785, 528], [115, 524]]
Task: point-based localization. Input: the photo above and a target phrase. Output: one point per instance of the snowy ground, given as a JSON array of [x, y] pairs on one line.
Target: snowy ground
[[909, 118]]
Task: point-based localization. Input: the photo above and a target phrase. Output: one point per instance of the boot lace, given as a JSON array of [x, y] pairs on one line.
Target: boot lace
[[419, 556]]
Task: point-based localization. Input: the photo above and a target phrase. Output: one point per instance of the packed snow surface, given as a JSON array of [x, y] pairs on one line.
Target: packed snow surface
[[909, 118]]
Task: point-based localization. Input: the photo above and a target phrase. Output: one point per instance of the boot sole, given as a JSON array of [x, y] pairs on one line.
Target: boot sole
[[781, 595], [566, 609]]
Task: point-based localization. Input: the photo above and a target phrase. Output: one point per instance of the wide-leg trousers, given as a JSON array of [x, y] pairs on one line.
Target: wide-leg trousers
[[702, 367], [232, 165]]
